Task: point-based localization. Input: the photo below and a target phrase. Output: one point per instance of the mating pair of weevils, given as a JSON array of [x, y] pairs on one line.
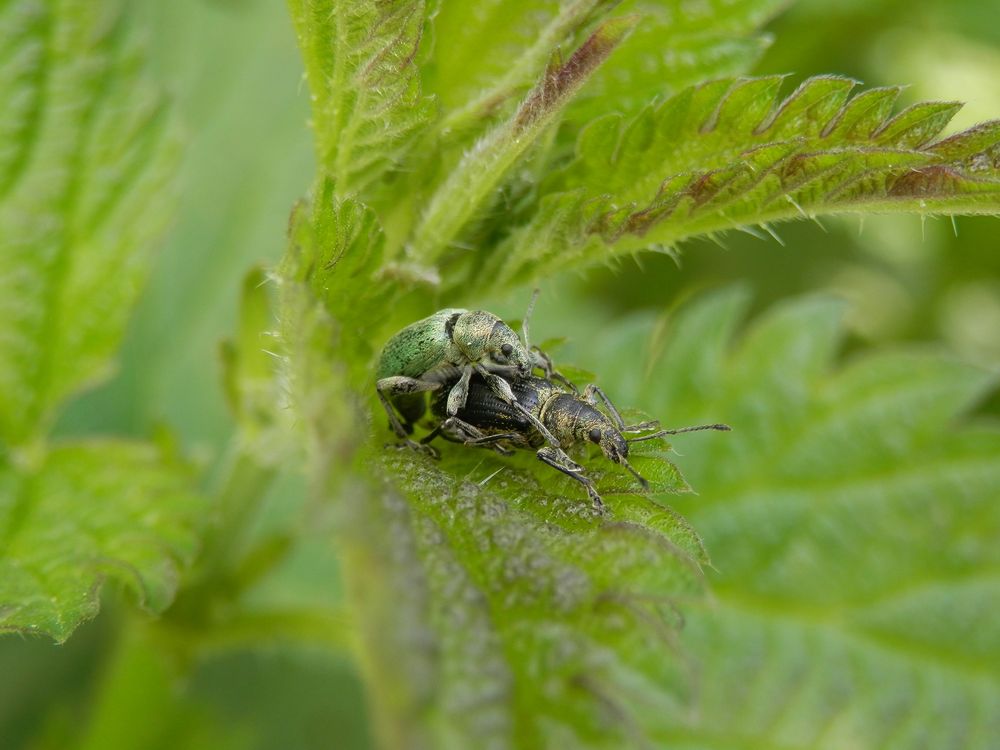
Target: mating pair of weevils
[[485, 394]]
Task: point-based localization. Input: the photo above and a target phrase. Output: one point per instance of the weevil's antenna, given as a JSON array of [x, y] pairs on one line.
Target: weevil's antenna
[[697, 428], [527, 317]]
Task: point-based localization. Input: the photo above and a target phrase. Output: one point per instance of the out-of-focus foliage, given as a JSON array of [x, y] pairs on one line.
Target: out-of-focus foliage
[[92, 509], [231, 70], [89, 149], [852, 529]]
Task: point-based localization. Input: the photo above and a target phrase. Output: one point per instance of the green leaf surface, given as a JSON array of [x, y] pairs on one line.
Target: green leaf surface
[[359, 61], [86, 160], [86, 512], [537, 623], [490, 599], [730, 153], [852, 521]]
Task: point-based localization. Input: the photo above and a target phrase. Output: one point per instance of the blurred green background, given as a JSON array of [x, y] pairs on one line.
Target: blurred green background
[[233, 70]]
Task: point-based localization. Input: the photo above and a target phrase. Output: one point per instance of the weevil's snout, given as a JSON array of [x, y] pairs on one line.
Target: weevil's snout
[[615, 448]]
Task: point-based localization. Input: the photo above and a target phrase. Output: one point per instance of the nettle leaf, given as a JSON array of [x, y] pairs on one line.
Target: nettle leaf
[[337, 250], [519, 618], [852, 523], [85, 169], [729, 153], [85, 512], [359, 61], [492, 606], [492, 601], [676, 44]]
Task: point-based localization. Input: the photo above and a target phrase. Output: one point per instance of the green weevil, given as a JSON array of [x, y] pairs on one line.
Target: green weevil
[[443, 350]]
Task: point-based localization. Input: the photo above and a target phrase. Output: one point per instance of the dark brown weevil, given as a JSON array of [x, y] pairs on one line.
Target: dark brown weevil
[[486, 420]]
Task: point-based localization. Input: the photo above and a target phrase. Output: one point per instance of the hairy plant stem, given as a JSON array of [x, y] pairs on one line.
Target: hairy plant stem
[[472, 183], [241, 492], [525, 67]]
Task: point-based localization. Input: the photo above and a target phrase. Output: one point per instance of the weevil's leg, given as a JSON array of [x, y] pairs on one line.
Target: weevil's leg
[[457, 431], [463, 432], [542, 361], [459, 393], [591, 393], [502, 388], [558, 460], [398, 385], [449, 431], [438, 430], [395, 386]]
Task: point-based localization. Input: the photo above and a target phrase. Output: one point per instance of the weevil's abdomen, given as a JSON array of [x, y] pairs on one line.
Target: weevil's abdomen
[[420, 347]]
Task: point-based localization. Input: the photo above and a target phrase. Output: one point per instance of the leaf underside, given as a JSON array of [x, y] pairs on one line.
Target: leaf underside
[[86, 162], [89, 150], [730, 153], [91, 511]]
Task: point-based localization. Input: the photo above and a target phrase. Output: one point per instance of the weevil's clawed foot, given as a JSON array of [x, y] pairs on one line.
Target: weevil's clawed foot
[[427, 450], [596, 501], [557, 459]]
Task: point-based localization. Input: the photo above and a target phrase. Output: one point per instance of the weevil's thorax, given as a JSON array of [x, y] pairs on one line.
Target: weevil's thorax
[[572, 420], [480, 337]]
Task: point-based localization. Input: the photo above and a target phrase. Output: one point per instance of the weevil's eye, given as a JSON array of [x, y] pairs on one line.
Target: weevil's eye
[[595, 435], [507, 350]]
